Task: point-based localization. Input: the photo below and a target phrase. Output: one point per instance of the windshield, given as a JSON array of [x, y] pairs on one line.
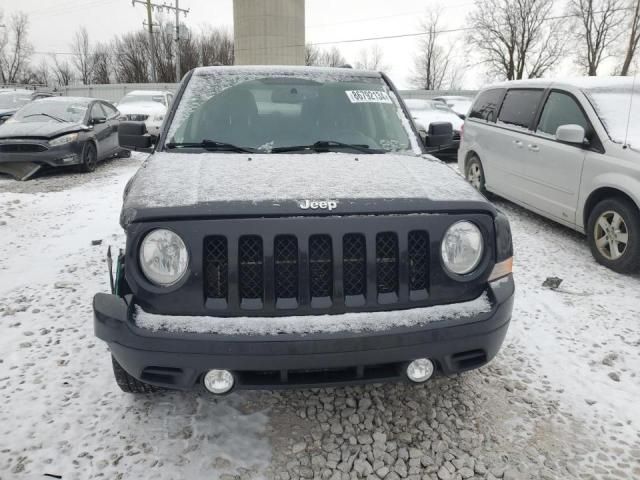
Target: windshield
[[618, 106], [143, 99], [255, 111], [52, 111], [14, 100]]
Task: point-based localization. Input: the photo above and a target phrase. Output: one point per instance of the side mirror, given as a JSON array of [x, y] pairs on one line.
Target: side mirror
[[134, 136], [439, 134], [462, 116], [98, 120], [570, 134]]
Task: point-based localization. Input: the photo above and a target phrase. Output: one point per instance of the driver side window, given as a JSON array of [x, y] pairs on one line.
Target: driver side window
[[97, 111], [560, 109]]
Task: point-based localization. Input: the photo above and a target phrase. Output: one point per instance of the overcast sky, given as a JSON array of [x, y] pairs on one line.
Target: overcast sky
[[53, 22]]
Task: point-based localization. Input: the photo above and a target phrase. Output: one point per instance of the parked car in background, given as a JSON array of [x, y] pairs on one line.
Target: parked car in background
[[12, 99], [459, 104], [59, 131], [426, 112], [568, 150], [148, 106], [288, 230]]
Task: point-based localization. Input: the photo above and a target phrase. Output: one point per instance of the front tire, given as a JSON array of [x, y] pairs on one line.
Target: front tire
[[474, 173], [89, 158], [129, 384], [613, 231]]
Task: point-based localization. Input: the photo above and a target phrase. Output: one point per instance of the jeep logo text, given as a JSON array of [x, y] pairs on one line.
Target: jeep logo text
[[315, 204]]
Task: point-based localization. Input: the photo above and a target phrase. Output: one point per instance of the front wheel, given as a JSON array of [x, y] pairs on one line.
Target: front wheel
[[613, 231], [130, 384], [89, 158], [474, 173]]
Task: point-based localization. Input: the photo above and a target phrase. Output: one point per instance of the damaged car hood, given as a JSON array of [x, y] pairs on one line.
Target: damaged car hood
[[174, 185], [38, 129]]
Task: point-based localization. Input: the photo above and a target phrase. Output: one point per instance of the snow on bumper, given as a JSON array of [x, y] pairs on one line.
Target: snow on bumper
[[315, 352]]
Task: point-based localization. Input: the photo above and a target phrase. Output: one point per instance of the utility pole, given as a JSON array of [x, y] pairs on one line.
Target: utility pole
[[150, 6], [152, 40], [178, 41]]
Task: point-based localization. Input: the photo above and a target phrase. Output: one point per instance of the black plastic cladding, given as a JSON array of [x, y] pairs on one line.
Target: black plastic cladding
[[188, 296]]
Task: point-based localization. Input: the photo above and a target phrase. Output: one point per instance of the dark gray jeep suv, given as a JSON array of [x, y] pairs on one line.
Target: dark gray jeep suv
[[289, 230]]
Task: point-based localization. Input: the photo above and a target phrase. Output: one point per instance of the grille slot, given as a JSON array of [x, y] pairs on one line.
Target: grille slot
[[387, 262], [216, 267], [354, 264], [286, 266], [22, 148], [418, 260], [320, 266], [251, 272]]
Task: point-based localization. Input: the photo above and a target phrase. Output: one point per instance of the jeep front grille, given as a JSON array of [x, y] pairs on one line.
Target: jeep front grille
[[316, 271]]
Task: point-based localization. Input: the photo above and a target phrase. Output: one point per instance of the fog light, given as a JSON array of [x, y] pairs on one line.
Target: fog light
[[420, 370], [218, 381]]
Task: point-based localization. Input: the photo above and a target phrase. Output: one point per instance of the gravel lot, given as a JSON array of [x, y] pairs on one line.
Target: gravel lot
[[559, 401]]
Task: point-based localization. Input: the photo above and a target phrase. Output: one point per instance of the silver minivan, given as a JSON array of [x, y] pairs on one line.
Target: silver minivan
[[568, 150]]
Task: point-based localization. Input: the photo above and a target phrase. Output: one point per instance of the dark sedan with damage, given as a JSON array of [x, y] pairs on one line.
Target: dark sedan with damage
[[59, 131]]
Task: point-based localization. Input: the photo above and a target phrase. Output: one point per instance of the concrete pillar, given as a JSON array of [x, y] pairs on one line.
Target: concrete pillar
[[268, 32]]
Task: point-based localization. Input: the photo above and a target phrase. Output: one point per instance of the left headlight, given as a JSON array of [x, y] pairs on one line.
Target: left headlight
[[163, 257], [158, 118], [63, 140], [462, 247]]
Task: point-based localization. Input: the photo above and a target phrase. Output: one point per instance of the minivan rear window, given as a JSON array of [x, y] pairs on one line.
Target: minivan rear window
[[487, 104], [520, 106]]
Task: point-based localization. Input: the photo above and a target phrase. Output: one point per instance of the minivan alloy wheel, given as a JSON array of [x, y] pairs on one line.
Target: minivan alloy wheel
[[474, 176], [611, 235]]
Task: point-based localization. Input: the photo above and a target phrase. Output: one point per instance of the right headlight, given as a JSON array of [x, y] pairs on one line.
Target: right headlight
[[462, 247], [163, 257], [63, 140]]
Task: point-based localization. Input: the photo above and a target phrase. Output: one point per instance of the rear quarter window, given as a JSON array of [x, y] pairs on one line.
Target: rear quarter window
[[487, 105], [520, 106]]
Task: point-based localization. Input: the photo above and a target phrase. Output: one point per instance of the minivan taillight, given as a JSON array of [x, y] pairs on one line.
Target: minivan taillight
[[461, 131]]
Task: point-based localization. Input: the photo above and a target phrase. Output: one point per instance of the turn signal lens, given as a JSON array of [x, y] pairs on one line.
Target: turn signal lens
[[501, 269]]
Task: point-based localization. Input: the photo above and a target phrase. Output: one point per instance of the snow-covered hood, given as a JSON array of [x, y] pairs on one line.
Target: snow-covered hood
[[170, 185], [426, 117], [142, 108], [37, 129]]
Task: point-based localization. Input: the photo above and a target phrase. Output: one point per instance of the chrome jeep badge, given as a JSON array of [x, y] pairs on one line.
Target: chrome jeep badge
[[318, 204]]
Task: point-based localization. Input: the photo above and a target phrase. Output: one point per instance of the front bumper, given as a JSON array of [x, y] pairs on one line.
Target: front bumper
[[179, 360], [22, 164]]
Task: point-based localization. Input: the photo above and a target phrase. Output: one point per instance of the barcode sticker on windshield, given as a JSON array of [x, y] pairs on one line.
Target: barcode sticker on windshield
[[368, 96]]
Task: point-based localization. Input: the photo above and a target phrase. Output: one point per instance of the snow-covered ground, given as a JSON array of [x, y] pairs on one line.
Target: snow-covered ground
[[560, 400]]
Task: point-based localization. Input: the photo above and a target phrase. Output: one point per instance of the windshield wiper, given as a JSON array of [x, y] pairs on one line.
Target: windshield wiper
[[328, 146], [61, 120], [212, 145]]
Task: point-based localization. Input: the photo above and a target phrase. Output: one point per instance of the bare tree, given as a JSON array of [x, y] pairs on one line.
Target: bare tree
[[131, 53], [82, 55], [311, 55], [189, 51], [634, 37], [517, 38], [216, 47], [15, 49], [331, 58], [102, 63], [41, 73], [371, 58], [62, 71], [432, 63], [599, 23]]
